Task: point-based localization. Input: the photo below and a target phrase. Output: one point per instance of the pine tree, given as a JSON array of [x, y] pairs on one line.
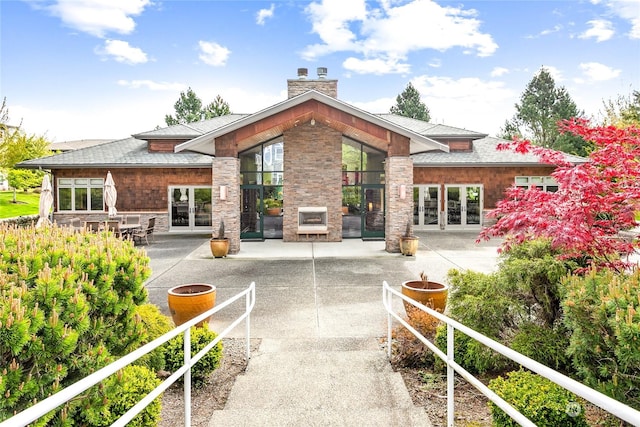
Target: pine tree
[[408, 104], [189, 109]]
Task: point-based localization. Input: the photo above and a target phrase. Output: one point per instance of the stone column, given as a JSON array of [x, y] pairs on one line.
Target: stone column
[[398, 172], [226, 172]]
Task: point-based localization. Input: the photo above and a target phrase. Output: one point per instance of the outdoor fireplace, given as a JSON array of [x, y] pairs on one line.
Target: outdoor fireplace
[[312, 219]]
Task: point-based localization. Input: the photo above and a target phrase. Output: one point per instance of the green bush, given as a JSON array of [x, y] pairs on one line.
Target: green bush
[[540, 400], [67, 308], [544, 345], [200, 338], [602, 311], [121, 392], [473, 356], [155, 324]]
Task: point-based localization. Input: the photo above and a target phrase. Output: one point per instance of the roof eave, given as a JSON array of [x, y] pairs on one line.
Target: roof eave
[[194, 144]]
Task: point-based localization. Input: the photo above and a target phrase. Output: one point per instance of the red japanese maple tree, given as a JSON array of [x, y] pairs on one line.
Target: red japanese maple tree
[[595, 200]]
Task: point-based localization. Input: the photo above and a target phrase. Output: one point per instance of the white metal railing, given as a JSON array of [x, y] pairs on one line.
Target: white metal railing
[[45, 406], [610, 405]]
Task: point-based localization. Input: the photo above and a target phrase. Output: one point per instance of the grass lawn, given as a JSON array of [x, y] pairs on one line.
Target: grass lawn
[[28, 204]]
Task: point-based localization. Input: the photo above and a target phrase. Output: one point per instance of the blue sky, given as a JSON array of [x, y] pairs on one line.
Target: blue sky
[[83, 69]]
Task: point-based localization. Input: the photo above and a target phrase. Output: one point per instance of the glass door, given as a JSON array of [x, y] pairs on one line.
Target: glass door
[[426, 206], [251, 212], [373, 210], [190, 208], [464, 205]]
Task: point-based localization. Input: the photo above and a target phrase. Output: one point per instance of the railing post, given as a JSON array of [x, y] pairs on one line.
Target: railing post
[[450, 376], [387, 298], [187, 378], [248, 322]]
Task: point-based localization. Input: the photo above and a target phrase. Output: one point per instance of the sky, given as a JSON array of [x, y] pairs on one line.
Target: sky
[[87, 69]]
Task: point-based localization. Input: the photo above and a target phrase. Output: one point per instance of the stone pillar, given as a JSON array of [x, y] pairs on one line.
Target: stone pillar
[[226, 172], [398, 171]]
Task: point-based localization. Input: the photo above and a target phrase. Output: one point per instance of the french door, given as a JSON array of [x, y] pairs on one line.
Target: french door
[[190, 208], [463, 206], [426, 206]]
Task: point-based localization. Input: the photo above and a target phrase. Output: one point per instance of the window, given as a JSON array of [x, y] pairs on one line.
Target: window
[[80, 194], [545, 183]]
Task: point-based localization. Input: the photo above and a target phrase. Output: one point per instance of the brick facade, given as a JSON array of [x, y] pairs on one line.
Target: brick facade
[[312, 177], [398, 172], [226, 172], [300, 86]]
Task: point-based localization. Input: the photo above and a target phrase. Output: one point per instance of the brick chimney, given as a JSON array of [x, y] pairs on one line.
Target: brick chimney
[[321, 84]]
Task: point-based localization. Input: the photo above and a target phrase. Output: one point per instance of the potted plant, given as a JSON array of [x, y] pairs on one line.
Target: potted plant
[[426, 292], [408, 241], [220, 244], [190, 300], [273, 207]]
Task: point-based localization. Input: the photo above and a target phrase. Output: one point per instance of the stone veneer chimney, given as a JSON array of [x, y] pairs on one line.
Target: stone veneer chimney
[[301, 85]]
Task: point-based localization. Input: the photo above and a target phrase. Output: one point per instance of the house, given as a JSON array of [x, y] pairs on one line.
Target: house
[[311, 167]]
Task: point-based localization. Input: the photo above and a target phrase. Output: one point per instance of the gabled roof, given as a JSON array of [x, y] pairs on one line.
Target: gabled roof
[[123, 153], [484, 153], [76, 144], [432, 130], [189, 130], [205, 143]]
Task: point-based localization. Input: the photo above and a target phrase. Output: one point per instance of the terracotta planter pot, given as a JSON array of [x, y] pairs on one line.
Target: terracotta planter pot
[[190, 300], [219, 247], [409, 245], [431, 294], [273, 211]]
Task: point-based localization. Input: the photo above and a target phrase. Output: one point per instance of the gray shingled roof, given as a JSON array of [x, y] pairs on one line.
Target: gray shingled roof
[[485, 153], [431, 130], [190, 130], [123, 153]]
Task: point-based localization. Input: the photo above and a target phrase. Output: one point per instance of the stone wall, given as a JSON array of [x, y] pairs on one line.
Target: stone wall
[[313, 177], [398, 172], [300, 86], [226, 172]]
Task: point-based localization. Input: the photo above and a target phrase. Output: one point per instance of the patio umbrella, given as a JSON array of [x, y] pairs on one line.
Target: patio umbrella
[[46, 200], [110, 195]]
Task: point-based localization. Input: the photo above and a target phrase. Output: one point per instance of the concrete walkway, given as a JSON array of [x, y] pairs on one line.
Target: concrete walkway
[[319, 317]]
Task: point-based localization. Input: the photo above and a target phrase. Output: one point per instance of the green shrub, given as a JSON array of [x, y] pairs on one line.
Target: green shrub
[[540, 400], [121, 392], [544, 345], [473, 356], [602, 311], [200, 338], [155, 324], [67, 308]]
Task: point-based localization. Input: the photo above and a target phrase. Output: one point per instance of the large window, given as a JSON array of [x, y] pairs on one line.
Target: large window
[[545, 183], [80, 194]]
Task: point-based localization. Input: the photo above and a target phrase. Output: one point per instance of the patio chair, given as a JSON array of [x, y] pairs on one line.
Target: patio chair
[[114, 227], [138, 235], [93, 226]]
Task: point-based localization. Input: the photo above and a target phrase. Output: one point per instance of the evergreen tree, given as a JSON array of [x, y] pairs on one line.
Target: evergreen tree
[[623, 111], [189, 109], [408, 104], [542, 105]]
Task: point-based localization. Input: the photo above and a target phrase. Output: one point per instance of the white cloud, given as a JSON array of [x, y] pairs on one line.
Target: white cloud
[[601, 30], [469, 102], [212, 53], [499, 71], [263, 14], [435, 63], [554, 72], [376, 66], [388, 34], [596, 72], [151, 85], [121, 51], [98, 17], [627, 10]]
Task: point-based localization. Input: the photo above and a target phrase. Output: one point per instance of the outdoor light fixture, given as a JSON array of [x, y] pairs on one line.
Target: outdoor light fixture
[[223, 192], [402, 191], [313, 122]]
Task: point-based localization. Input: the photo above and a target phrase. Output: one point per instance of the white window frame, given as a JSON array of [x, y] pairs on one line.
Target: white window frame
[[542, 182], [76, 183]]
